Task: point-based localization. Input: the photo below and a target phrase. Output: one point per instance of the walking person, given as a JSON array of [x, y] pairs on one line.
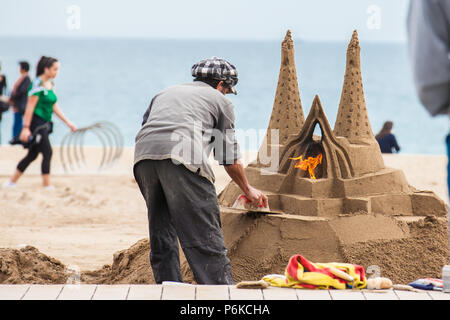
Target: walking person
[[18, 100], [3, 99], [386, 139], [3, 84], [42, 103], [176, 180]]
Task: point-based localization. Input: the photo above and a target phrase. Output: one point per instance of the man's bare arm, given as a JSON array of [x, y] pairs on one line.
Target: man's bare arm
[[237, 173]]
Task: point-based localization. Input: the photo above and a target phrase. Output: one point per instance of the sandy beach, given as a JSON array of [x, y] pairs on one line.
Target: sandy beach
[[90, 215]]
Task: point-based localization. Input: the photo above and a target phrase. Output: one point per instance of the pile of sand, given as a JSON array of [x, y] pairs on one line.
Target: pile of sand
[[129, 266], [28, 265]]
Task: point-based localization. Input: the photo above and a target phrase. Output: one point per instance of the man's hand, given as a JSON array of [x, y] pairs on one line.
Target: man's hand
[[237, 173], [257, 198]]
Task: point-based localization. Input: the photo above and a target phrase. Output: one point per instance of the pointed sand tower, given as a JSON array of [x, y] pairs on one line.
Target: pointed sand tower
[[287, 113], [352, 124], [352, 121]]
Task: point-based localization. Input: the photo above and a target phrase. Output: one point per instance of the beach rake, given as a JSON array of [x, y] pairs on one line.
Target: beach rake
[[72, 146]]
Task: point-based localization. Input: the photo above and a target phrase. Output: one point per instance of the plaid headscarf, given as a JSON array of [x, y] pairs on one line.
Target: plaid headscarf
[[218, 69]]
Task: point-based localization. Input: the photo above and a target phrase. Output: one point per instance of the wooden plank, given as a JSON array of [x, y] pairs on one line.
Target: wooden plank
[[178, 292], [380, 295], [245, 294], [308, 294], [212, 292], [409, 295], [347, 295], [111, 292], [145, 292], [275, 293], [439, 295], [43, 292], [77, 292], [13, 291]]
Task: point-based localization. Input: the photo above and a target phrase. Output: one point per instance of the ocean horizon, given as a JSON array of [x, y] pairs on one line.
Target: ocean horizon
[[114, 79]]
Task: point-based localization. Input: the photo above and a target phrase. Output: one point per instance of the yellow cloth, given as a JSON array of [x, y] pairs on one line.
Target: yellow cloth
[[300, 273]]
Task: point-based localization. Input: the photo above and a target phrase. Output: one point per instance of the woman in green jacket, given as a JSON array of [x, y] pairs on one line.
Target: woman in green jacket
[[42, 103]]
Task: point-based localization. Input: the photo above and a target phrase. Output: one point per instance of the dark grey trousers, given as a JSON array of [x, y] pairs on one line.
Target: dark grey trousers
[[182, 204]]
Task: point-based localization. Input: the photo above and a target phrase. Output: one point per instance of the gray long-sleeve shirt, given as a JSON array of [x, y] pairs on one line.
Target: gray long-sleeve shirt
[[429, 46], [184, 123]]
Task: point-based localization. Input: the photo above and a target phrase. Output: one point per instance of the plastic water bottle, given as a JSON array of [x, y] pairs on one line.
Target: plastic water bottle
[[446, 278]]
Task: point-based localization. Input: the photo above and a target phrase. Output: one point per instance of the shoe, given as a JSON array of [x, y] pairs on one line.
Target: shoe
[[15, 141], [8, 184], [50, 187]]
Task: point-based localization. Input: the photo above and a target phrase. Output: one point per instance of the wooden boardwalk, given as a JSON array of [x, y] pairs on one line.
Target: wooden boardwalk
[[199, 292]]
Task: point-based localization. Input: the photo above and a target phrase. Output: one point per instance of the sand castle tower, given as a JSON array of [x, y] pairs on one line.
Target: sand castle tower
[[352, 121], [287, 113], [339, 201]]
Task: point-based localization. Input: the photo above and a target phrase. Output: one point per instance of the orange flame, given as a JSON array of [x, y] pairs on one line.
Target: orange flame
[[309, 164]]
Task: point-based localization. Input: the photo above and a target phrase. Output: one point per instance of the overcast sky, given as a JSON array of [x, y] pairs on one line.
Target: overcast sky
[[376, 20]]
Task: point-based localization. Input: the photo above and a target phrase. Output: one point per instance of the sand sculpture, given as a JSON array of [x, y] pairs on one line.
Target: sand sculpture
[[340, 202]]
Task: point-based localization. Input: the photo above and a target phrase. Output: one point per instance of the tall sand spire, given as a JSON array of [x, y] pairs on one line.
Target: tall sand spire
[[287, 113], [352, 121]]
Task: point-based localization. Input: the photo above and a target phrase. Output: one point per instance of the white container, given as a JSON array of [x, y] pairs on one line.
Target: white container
[[446, 278]]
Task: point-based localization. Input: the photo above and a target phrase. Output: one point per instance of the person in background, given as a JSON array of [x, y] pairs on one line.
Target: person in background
[[2, 83], [3, 100], [429, 48], [42, 103], [18, 100], [386, 139]]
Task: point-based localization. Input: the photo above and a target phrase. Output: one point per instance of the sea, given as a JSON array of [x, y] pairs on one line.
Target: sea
[[115, 79]]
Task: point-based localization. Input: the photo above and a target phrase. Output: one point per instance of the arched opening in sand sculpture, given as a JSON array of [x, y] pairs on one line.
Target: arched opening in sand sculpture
[[309, 158]]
